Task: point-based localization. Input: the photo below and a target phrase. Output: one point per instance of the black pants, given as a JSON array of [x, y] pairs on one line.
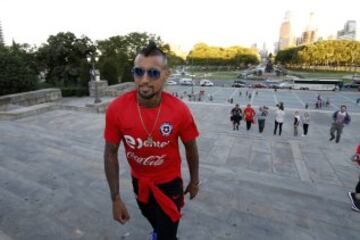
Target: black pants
[[357, 188], [305, 128], [236, 123], [276, 126], [161, 223], [248, 125], [261, 125]]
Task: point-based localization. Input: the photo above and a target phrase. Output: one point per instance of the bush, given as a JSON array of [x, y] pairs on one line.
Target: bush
[[74, 92], [16, 71]]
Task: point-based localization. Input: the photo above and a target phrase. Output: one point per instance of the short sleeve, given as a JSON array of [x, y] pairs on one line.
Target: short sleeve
[[188, 129], [112, 133]]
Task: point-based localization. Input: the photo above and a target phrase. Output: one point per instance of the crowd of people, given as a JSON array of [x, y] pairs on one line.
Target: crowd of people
[[340, 118], [250, 116]]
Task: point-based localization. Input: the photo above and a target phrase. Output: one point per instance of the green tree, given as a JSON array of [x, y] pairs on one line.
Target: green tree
[[18, 71], [119, 52], [204, 55], [63, 58], [332, 53]]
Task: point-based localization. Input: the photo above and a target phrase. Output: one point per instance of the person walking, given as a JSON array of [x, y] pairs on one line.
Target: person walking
[[236, 116], [296, 123], [150, 122], [279, 118], [340, 118], [306, 122], [249, 114], [355, 196], [261, 117]]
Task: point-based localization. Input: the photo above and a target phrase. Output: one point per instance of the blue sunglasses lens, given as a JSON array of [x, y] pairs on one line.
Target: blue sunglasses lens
[[153, 73], [138, 72]]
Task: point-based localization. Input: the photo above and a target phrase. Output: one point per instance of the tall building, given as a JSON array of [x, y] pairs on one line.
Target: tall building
[[348, 32], [1, 35], [286, 38], [264, 52], [310, 33]]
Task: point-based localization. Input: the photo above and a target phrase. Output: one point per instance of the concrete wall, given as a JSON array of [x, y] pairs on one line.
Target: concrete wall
[[118, 89], [30, 98]]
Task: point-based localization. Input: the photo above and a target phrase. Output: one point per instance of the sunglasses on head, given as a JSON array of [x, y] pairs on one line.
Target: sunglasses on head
[[152, 73]]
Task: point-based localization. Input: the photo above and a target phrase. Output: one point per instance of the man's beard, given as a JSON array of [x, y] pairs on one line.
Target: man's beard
[[147, 97]]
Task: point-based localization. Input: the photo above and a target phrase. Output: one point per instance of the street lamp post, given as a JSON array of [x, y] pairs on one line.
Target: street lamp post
[[92, 60]]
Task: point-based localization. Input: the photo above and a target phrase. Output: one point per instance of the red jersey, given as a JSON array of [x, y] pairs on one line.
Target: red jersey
[[249, 114], [157, 162], [358, 150]]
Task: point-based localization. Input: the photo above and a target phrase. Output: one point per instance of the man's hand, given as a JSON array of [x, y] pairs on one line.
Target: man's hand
[[120, 213], [192, 189]]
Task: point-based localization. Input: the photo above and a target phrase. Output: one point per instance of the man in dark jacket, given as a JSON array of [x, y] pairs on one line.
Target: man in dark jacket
[[340, 118]]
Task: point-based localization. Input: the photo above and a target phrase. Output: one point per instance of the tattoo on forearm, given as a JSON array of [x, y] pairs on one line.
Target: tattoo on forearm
[[112, 168]]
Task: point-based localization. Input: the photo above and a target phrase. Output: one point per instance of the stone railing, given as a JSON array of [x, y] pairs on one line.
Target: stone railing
[[118, 89], [30, 98]]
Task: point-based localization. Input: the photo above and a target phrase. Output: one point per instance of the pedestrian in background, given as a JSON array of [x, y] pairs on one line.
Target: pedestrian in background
[[296, 123], [340, 118], [236, 116], [249, 114], [261, 117], [279, 118], [306, 123], [355, 196]]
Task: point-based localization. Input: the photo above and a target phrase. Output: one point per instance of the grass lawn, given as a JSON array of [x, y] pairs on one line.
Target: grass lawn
[[231, 75], [218, 75], [320, 74]]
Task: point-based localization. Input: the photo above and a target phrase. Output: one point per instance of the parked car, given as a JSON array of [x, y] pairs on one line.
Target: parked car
[[351, 85], [285, 85], [171, 82], [239, 83], [206, 83], [259, 85], [186, 81]]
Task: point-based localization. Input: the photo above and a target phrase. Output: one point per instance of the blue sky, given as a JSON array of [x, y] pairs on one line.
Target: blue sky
[[180, 22]]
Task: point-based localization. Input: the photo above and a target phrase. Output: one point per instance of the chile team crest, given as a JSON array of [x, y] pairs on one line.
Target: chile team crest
[[166, 129]]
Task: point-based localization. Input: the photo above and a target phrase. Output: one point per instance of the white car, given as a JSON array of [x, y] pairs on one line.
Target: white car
[[206, 83], [186, 81], [171, 82]]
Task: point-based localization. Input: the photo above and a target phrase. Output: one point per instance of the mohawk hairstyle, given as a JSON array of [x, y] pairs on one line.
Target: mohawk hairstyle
[[152, 50]]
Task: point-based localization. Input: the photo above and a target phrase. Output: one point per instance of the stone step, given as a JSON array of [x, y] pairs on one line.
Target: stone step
[[266, 191], [23, 112]]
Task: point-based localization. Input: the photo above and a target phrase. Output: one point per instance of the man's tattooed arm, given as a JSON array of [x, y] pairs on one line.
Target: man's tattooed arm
[[112, 168]]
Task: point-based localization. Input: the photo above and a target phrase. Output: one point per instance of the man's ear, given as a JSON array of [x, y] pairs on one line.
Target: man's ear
[[167, 72]]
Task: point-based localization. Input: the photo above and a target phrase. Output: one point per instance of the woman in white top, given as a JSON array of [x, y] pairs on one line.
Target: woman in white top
[[279, 118]]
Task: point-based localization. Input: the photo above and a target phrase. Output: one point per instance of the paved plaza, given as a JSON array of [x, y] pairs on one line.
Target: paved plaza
[[294, 99], [254, 186]]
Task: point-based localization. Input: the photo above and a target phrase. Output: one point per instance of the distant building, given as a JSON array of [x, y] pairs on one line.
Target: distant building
[[254, 47], [310, 33], [331, 37], [264, 53], [286, 38], [276, 47], [348, 32], [1, 36]]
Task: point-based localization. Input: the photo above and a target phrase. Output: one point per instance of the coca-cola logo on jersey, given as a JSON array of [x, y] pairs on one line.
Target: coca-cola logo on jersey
[[146, 161], [138, 143]]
